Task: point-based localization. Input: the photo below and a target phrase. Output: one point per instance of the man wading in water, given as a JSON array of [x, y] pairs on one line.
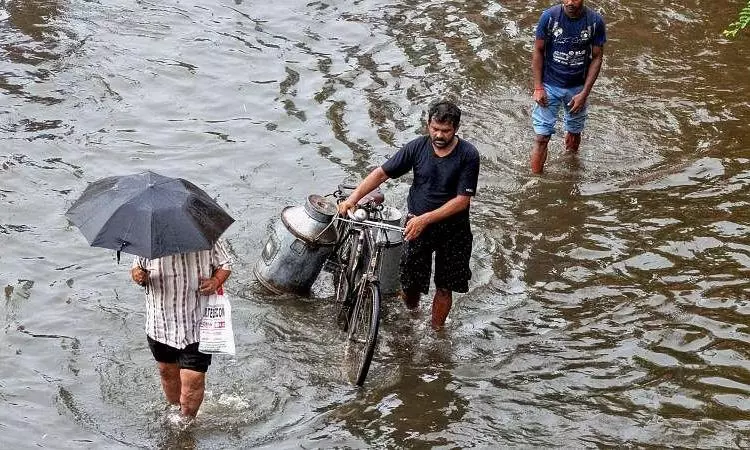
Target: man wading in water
[[565, 63], [445, 169]]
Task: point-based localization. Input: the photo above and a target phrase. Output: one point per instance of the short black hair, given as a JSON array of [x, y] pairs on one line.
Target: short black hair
[[445, 111]]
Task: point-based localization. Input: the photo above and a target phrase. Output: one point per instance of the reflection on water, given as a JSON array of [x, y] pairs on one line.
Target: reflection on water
[[33, 45], [609, 304], [35, 19], [421, 412]]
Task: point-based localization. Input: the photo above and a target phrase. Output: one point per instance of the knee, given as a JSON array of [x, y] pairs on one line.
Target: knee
[[169, 372], [190, 394], [541, 138], [193, 384]]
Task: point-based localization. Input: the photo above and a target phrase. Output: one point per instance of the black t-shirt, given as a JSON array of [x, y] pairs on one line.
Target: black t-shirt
[[436, 180]]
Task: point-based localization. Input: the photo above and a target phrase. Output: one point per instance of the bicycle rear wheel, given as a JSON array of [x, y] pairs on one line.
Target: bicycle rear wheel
[[363, 331]]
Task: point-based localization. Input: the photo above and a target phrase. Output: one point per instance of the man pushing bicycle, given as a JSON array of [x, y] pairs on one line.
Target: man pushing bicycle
[[446, 169]]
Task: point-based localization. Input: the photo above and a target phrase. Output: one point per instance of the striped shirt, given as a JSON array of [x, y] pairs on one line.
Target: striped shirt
[[174, 307]]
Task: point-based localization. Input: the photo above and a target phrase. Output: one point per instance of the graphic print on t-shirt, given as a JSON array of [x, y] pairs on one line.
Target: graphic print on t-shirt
[[569, 44], [577, 45]]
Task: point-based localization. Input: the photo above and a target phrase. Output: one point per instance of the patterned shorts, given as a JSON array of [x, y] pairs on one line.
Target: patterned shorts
[[450, 241]]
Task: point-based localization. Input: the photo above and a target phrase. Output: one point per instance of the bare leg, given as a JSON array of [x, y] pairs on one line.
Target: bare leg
[[572, 142], [170, 381], [193, 387], [411, 299], [441, 306], [539, 153]]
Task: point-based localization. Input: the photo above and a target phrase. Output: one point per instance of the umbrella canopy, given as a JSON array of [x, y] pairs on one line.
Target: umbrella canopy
[[149, 215]]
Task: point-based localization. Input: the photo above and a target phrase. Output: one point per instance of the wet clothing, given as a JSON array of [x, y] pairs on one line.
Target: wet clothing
[[436, 181], [174, 307], [543, 118], [568, 45], [187, 358], [451, 242]]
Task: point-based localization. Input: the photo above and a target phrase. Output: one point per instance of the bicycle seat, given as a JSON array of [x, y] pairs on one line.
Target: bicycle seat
[[374, 198]]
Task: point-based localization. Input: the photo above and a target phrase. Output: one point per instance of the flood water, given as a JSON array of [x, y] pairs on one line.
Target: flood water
[[610, 301]]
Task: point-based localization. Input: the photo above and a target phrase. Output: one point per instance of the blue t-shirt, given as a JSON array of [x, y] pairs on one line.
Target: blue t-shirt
[[567, 50], [436, 180]]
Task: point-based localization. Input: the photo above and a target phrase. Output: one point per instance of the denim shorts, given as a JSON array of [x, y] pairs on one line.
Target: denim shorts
[[544, 119]]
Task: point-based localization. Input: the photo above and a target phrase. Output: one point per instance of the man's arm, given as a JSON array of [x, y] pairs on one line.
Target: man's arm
[[210, 285], [417, 224], [537, 71], [222, 262], [597, 58], [371, 182]]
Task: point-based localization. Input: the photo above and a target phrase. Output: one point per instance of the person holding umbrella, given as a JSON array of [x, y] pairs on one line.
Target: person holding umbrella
[[173, 228], [178, 287]]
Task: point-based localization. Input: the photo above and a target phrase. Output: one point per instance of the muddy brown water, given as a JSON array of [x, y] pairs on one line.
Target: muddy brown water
[[610, 299]]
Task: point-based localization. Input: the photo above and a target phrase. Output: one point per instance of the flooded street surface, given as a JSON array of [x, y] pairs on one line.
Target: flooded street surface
[[610, 301]]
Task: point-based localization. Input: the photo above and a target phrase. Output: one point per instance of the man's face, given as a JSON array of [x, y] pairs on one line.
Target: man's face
[[573, 8], [441, 133]]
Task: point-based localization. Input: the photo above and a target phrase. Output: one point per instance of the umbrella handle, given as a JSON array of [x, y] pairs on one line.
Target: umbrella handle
[[122, 245], [148, 282]]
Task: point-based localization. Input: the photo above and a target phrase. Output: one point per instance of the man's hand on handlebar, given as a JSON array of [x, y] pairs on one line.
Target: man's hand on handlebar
[[345, 206], [415, 226]]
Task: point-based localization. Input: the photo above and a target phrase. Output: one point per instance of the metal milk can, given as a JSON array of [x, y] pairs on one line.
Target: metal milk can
[[297, 246], [392, 242]]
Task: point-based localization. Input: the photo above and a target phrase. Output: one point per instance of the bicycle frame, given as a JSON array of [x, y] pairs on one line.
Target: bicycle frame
[[368, 255], [370, 238]]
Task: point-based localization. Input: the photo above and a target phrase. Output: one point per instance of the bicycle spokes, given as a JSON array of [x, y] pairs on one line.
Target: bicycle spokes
[[363, 331]]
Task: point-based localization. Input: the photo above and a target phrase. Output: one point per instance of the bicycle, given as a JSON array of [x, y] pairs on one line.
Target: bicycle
[[355, 263]]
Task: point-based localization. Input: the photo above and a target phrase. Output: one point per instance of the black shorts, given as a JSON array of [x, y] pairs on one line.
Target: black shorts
[[187, 358], [450, 241]]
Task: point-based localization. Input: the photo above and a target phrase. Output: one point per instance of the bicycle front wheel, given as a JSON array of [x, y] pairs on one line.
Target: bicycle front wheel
[[346, 279], [363, 331]]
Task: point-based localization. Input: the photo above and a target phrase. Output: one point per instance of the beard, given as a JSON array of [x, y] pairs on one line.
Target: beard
[[441, 143]]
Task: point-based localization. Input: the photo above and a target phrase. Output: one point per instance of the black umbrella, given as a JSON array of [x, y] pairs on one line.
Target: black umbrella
[[149, 215]]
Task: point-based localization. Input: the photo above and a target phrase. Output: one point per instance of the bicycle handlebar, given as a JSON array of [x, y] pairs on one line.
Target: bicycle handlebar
[[370, 223]]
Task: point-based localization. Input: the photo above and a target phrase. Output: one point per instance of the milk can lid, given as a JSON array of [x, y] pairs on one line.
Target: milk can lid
[[320, 208]]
